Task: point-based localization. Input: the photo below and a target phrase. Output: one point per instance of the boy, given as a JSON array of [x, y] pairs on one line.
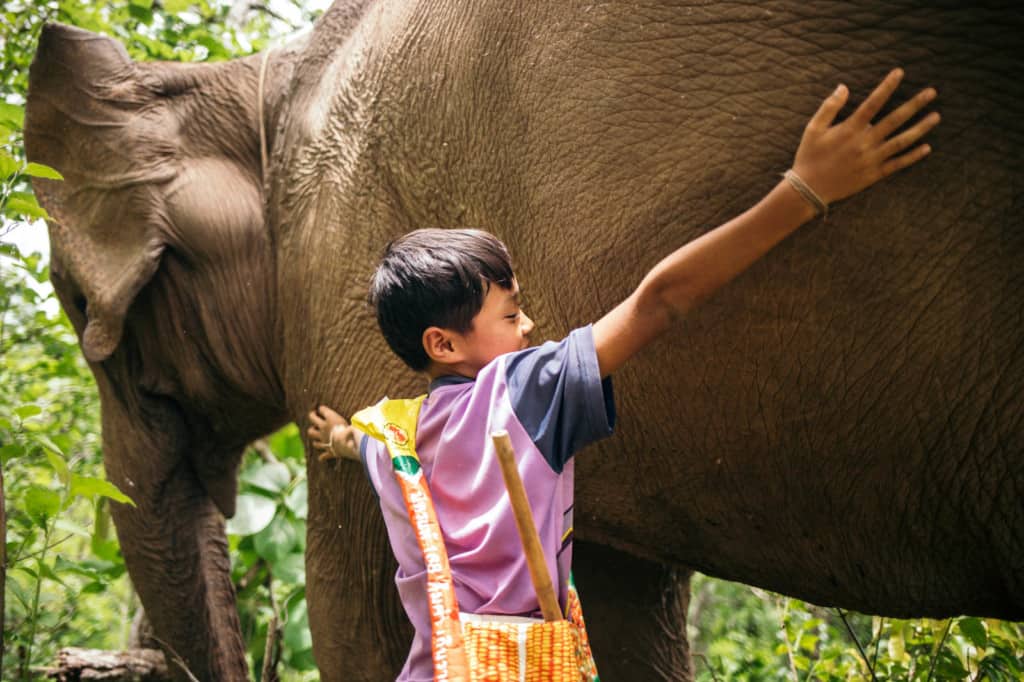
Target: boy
[[447, 303]]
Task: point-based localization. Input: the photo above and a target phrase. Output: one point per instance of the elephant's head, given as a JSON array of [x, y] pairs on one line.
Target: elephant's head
[[149, 164], [162, 260]]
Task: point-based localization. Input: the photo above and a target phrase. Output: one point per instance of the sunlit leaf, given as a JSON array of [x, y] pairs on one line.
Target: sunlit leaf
[[88, 486], [8, 165], [19, 206], [26, 411], [175, 6], [38, 170], [253, 512], [12, 115]]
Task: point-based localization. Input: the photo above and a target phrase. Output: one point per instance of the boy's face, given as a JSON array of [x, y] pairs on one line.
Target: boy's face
[[500, 327]]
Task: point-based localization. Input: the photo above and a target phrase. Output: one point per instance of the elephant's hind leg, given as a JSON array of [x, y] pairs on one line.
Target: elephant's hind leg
[[175, 547], [635, 612]]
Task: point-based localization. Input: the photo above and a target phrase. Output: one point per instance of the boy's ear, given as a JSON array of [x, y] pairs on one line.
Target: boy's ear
[[441, 346]]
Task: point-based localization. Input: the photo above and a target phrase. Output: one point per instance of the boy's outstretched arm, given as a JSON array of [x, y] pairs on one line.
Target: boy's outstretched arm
[[835, 161]]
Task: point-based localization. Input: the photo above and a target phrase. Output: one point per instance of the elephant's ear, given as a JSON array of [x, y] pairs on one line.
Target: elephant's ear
[[145, 166], [87, 117]]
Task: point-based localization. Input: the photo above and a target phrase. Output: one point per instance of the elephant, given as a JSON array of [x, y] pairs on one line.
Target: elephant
[[844, 423]]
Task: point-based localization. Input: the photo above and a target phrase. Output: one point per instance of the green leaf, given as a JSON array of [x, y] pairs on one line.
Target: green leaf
[[57, 462], [26, 411], [297, 500], [287, 444], [10, 451], [271, 476], [8, 165], [949, 667], [175, 6], [38, 170], [48, 444], [90, 487], [277, 540], [105, 549], [142, 14], [12, 115], [974, 631], [28, 571], [253, 512], [291, 569], [300, 660], [296, 629], [20, 592], [24, 206], [41, 503], [47, 572], [95, 587]]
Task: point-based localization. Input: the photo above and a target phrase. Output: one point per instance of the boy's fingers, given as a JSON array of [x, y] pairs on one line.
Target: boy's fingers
[[900, 162], [888, 125], [870, 107], [911, 135], [828, 110]]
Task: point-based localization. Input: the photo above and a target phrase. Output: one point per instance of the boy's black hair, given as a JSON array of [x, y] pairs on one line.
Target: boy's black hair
[[435, 277]]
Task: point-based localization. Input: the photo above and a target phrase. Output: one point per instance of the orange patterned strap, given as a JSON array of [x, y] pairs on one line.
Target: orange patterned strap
[[394, 423]]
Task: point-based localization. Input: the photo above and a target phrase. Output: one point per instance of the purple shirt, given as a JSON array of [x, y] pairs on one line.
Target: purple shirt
[[552, 402]]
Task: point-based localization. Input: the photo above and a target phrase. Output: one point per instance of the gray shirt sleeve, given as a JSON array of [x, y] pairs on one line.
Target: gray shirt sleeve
[[559, 397]]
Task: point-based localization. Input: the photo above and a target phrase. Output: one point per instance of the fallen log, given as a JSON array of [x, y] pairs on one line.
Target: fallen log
[[131, 665]]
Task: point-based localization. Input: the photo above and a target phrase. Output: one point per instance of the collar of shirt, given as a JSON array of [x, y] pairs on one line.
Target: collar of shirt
[[448, 380]]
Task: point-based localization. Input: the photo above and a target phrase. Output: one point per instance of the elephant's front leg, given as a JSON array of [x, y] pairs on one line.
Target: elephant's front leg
[[360, 632], [175, 548], [635, 612]]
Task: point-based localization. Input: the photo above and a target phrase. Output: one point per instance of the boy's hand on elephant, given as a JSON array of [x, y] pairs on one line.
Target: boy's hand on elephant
[[331, 435], [837, 161]]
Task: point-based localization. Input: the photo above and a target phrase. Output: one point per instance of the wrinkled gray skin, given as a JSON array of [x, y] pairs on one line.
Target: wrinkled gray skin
[[843, 424]]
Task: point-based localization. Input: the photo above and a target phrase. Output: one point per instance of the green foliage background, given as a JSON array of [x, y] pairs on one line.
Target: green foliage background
[[66, 582]]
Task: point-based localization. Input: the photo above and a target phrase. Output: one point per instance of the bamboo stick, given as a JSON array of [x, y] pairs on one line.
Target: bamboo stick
[[527, 529]]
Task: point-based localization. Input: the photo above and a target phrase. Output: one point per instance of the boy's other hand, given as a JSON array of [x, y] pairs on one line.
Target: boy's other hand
[[838, 161], [331, 436]]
